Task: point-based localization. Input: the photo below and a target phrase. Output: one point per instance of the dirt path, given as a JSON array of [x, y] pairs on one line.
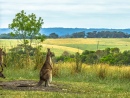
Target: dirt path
[[29, 85]]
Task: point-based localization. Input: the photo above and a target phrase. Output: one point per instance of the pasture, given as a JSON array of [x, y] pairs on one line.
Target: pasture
[[91, 43], [73, 45], [94, 81]]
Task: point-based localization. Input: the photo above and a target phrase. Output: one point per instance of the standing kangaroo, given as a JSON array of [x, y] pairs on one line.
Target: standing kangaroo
[[1, 62], [46, 70]]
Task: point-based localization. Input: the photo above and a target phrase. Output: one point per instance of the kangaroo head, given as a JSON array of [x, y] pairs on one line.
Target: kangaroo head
[[2, 52], [49, 53]]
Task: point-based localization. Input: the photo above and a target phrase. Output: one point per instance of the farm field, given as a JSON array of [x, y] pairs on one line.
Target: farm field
[[76, 44], [94, 81], [91, 43]]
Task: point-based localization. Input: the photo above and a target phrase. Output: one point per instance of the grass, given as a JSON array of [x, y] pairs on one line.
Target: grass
[[39, 94], [91, 43], [21, 74], [86, 84], [94, 81], [93, 47], [8, 43]]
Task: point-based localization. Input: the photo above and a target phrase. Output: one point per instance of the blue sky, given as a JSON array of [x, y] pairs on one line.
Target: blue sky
[[70, 13]]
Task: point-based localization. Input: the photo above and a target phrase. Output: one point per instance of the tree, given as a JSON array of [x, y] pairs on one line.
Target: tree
[[26, 26], [78, 35], [53, 35]]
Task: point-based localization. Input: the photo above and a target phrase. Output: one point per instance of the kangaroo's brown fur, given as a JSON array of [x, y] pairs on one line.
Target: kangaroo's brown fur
[[1, 74], [1, 63], [46, 70], [1, 59]]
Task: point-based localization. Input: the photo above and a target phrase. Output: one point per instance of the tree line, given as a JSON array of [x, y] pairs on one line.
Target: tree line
[[107, 34], [94, 34]]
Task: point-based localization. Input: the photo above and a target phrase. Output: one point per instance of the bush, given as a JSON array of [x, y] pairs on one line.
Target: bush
[[32, 57], [65, 57], [89, 57], [78, 62]]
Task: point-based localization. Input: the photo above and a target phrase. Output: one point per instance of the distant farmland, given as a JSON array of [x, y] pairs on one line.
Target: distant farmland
[[76, 44]]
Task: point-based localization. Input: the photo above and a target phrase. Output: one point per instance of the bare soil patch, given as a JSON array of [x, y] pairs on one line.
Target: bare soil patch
[[29, 85]]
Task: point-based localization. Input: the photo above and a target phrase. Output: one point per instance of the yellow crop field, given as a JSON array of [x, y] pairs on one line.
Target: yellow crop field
[[70, 41], [103, 41]]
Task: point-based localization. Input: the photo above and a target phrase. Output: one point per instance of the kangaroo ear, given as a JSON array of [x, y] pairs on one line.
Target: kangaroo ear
[[1, 49], [48, 49]]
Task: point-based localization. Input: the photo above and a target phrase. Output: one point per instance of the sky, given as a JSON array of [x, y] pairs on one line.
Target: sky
[[70, 13]]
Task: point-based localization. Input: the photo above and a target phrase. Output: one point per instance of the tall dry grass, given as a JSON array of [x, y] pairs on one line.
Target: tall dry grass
[[99, 71]]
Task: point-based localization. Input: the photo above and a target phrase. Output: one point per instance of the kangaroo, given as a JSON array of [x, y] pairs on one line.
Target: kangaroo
[[46, 70], [1, 63], [1, 74], [1, 60]]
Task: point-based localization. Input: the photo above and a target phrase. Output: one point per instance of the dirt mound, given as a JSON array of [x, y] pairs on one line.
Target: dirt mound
[[28, 85]]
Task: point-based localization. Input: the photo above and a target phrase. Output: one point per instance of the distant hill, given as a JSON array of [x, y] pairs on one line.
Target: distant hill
[[68, 31]]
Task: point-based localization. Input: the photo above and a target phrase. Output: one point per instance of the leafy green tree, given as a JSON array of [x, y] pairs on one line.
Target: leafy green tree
[[26, 26]]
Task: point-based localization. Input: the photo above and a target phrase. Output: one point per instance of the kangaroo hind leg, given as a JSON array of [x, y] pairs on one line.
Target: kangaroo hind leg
[[47, 83]]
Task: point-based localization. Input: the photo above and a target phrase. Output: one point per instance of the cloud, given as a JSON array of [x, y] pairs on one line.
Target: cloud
[[68, 6], [65, 11]]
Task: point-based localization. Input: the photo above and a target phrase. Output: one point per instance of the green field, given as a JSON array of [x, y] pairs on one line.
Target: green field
[[94, 81], [91, 43], [76, 44]]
